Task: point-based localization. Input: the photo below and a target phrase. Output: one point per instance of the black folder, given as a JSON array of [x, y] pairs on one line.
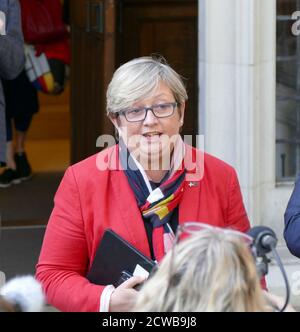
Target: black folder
[[114, 256]]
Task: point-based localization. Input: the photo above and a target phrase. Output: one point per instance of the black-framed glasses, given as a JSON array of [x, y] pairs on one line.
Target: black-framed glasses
[[139, 114]]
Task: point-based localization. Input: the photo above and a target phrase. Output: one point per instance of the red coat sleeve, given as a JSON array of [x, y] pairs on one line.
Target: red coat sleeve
[[236, 214], [64, 257]]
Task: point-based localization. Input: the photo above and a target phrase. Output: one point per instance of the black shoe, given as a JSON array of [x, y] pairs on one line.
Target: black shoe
[[23, 167], [9, 177]]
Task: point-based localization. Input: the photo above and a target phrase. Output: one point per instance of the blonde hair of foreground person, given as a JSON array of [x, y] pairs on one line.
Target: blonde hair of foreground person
[[211, 271]]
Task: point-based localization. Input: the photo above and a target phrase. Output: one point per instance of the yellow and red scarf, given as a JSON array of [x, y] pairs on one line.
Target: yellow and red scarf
[[156, 205]]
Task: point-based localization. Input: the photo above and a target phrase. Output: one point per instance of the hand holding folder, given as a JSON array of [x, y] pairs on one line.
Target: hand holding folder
[[116, 260]]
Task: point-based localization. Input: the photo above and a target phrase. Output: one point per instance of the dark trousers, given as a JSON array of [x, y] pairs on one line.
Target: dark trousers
[[21, 99]]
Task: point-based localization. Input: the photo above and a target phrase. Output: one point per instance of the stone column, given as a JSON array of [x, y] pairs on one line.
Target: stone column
[[237, 90]]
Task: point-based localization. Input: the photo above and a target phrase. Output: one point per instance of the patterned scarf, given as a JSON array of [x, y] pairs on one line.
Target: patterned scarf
[[156, 205]]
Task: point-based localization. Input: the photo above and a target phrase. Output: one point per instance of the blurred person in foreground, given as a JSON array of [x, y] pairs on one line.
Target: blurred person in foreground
[[211, 270]]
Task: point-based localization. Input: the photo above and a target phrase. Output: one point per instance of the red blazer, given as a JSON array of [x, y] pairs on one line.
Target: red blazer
[[88, 201]]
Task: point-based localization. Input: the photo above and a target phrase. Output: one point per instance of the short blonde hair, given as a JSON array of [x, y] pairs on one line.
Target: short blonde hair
[[138, 78], [211, 271]]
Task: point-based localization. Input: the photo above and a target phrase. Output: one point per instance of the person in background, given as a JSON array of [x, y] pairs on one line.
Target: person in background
[[21, 104], [292, 221], [12, 58], [21, 95], [211, 270], [141, 188], [21, 101]]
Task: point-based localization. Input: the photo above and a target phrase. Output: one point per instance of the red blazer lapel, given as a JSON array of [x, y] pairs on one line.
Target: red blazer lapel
[[125, 201], [194, 164], [189, 205]]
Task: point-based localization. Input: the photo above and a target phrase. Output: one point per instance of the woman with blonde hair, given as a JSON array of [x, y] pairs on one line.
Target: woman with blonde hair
[[212, 270]]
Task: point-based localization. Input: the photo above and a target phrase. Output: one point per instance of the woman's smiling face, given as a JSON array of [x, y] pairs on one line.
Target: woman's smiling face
[[153, 137]]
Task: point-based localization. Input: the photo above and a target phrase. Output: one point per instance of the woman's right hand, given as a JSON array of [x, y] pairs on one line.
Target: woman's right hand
[[124, 296]]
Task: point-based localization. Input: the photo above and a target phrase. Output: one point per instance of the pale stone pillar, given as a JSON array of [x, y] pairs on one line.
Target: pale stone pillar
[[237, 75], [237, 90]]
